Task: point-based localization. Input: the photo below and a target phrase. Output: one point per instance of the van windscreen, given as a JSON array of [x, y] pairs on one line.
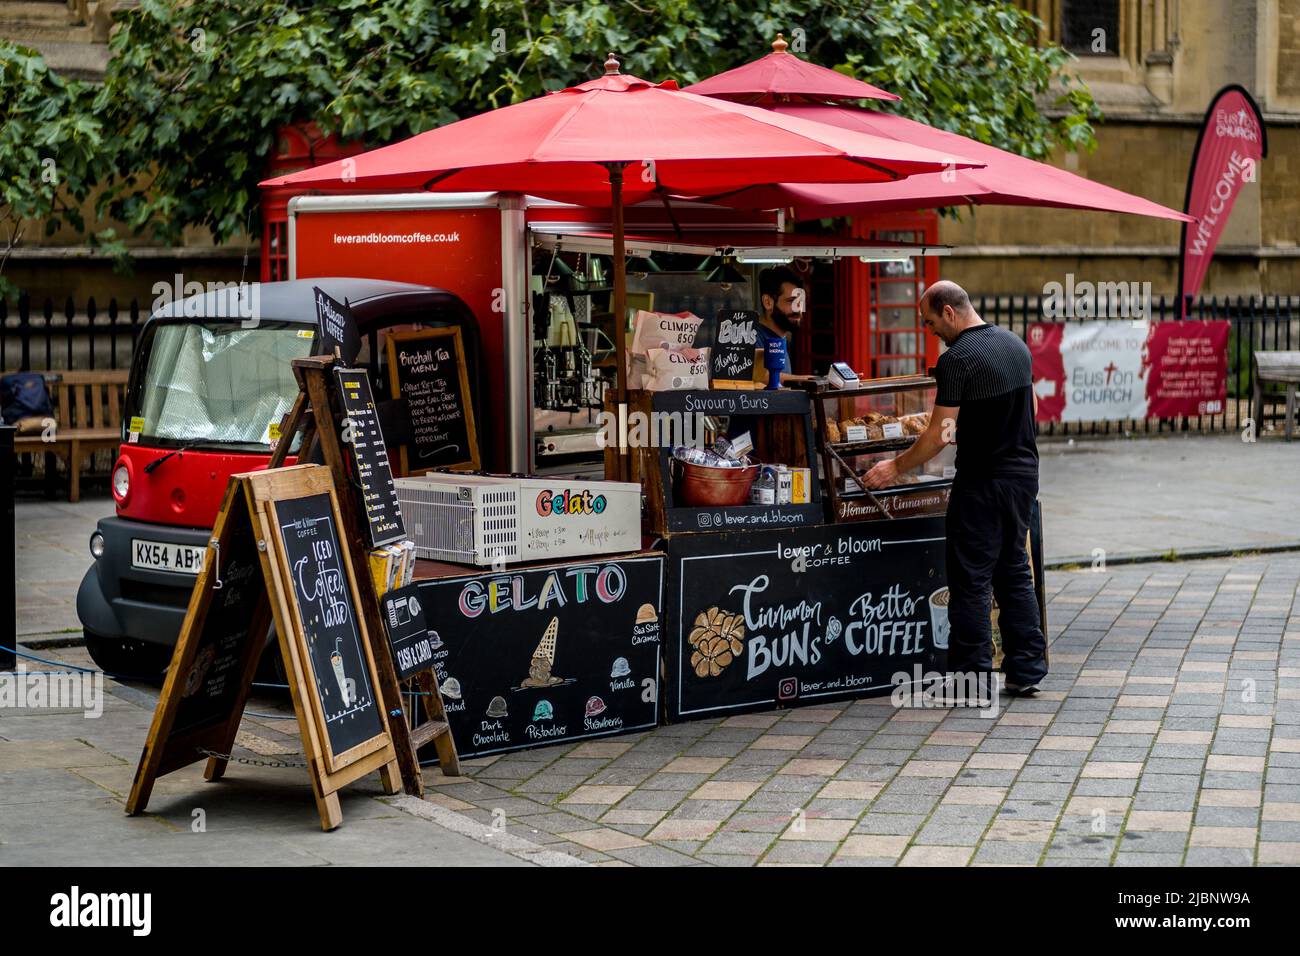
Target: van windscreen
[[218, 382]]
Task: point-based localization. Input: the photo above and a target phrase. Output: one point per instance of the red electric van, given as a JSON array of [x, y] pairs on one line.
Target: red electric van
[[210, 382]]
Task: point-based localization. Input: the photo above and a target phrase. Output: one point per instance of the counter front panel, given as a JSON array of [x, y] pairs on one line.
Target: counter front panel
[[541, 655], [786, 618]]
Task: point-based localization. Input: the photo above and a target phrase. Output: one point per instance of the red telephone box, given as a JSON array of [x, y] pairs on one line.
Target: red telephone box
[[877, 328], [298, 146]]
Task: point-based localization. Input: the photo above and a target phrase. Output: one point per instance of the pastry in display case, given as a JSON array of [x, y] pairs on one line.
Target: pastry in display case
[[871, 421]]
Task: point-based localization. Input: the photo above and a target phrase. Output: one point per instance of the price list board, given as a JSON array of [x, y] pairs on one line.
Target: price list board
[[365, 442]]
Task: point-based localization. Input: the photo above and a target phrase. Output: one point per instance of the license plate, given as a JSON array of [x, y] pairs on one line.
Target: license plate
[[164, 556]]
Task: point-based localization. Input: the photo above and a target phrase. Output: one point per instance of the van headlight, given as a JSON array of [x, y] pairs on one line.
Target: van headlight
[[121, 482], [96, 545]]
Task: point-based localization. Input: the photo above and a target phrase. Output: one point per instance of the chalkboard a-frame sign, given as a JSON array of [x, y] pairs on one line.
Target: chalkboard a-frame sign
[[426, 367], [276, 553]]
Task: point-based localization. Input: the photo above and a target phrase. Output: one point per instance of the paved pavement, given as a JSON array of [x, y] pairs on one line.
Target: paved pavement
[[1155, 495], [53, 556], [64, 779], [1168, 732]]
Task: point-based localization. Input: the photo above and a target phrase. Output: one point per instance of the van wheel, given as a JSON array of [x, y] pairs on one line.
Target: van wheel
[[128, 658]]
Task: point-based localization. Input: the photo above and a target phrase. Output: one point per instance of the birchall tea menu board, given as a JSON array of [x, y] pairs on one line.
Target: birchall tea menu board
[[365, 441], [426, 367]]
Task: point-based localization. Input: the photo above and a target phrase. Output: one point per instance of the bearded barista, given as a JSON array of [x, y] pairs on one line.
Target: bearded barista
[[782, 298]]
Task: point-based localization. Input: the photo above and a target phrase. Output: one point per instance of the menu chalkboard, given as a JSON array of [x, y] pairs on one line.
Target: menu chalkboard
[[426, 368], [547, 655], [362, 436], [735, 341], [221, 640], [328, 617], [802, 616], [338, 330]]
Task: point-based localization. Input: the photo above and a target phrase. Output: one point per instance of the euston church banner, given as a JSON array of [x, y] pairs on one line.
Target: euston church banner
[[1118, 370]]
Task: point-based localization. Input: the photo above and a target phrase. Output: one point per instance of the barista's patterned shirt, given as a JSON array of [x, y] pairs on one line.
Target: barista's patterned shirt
[[987, 373]]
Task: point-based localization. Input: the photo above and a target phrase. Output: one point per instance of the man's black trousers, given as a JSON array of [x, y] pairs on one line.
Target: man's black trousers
[[986, 527]]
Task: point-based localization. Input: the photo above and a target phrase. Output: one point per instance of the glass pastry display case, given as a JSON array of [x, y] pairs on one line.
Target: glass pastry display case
[[871, 421]]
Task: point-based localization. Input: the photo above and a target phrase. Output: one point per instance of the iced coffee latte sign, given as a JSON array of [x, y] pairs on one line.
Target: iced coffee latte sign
[[329, 621]]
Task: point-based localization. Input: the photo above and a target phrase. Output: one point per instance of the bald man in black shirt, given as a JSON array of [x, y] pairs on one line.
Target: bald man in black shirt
[[985, 403]]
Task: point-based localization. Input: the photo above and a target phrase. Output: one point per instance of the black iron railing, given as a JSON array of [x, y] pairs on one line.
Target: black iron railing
[[46, 336]]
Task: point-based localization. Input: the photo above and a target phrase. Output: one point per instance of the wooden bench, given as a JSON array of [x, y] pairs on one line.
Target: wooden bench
[[87, 417], [1280, 368]]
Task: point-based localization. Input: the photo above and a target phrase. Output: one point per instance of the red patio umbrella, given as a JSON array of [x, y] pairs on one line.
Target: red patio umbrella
[[561, 146], [780, 76], [1005, 179], [575, 145]]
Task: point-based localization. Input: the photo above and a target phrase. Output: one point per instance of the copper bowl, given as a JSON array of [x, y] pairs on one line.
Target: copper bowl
[[706, 487]]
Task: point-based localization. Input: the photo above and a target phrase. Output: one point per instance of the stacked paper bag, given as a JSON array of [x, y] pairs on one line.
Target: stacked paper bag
[[663, 356]]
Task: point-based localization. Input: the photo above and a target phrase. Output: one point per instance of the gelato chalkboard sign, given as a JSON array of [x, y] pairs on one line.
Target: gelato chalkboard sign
[[734, 356], [426, 368], [547, 655], [365, 443], [802, 616]]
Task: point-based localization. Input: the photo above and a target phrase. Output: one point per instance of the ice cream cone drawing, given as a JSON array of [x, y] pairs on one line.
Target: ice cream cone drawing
[[539, 670], [336, 661]]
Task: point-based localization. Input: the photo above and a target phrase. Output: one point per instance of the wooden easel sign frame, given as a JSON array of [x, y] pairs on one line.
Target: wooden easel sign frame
[[434, 337], [260, 516]]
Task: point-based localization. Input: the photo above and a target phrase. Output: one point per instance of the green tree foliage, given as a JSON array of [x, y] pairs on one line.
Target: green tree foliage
[[974, 69], [50, 151], [195, 92]]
